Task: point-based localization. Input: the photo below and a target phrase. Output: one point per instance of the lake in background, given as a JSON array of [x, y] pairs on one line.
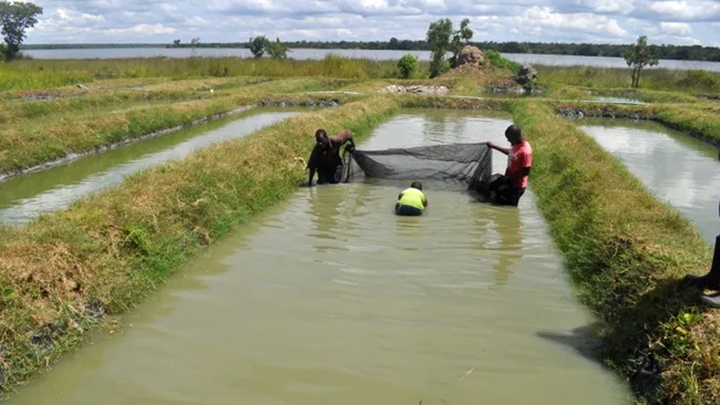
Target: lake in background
[[298, 53]]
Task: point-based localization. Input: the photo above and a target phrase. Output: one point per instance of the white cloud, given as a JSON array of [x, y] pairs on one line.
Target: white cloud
[[675, 28], [585, 22], [142, 29], [606, 21], [688, 9]]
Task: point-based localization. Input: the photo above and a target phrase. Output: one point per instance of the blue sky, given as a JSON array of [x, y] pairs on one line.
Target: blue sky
[[599, 21]]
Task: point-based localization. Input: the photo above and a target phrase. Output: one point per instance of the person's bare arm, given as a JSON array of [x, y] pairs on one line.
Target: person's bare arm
[[498, 148], [312, 165], [310, 179], [345, 136]]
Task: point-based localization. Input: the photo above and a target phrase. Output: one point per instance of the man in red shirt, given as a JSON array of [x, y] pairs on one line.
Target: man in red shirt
[[325, 156], [509, 188]]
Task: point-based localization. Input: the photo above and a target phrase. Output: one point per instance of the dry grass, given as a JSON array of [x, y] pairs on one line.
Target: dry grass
[[625, 252], [108, 251]]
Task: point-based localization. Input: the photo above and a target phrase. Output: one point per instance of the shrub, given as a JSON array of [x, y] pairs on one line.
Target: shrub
[[407, 66], [498, 61]]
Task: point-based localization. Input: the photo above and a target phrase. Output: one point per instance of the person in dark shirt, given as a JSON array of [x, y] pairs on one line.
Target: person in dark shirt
[[325, 157]]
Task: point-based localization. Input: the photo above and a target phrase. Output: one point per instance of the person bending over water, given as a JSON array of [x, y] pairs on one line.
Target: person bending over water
[[511, 186], [325, 157], [412, 201]]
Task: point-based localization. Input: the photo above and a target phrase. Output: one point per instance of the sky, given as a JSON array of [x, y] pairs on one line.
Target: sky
[[687, 22]]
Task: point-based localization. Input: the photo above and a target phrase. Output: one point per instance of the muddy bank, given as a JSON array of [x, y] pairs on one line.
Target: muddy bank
[[286, 102]]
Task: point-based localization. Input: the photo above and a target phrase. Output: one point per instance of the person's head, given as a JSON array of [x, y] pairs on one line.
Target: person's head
[[417, 185], [321, 138], [513, 134]]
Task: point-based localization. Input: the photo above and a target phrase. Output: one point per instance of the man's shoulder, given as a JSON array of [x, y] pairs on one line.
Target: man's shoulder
[[525, 148]]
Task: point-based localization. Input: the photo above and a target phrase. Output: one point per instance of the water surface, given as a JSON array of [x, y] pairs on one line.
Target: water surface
[[330, 299], [25, 197], [677, 168], [382, 54]]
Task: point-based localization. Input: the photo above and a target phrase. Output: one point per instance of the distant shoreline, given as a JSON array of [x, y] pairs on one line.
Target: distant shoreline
[[666, 52]]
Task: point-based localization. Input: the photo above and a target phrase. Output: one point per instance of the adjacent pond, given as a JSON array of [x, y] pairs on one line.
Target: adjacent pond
[[25, 197], [678, 169], [331, 299]]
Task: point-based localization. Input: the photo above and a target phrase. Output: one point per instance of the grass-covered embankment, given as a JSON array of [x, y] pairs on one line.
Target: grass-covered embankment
[[106, 252], [625, 251], [694, 120], [169, 91], [567, 92], [683, 81], [31, 143], [41, 74]]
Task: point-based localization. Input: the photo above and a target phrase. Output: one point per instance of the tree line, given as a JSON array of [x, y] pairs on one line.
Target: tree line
[[672, 52]]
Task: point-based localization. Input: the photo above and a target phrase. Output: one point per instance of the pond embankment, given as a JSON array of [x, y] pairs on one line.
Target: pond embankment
[[64, 272], [626, 252], [62, 135], [699, 122]]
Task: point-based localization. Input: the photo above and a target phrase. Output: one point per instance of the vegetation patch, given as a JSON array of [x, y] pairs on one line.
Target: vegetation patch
[[65, 271], [626, 251]]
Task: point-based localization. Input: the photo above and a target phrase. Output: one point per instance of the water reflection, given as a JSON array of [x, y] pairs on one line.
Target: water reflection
[[675, 167], [509, 244], [433, 129]]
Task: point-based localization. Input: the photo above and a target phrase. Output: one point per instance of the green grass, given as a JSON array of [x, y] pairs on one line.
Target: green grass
[[625, 251], [21, 111], [42, 74], [700, 123], [684, 81], [108, 251]]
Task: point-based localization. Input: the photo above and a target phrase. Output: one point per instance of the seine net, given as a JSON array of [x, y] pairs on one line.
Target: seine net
[[469, 164]]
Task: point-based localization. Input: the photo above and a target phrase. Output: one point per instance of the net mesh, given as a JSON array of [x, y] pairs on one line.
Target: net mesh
[[467, 163]]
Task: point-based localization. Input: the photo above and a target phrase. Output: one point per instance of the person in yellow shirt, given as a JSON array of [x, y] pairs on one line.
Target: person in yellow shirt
[[412, 201]]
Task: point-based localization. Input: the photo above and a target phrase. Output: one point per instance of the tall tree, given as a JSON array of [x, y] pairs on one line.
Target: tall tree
[[638, 56], [258, 45], [460, 38], [438, 37], [15, 18], [276, 50]]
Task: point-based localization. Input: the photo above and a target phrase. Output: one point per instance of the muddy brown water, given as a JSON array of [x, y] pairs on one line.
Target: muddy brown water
[[328, 298], [24, 197], [678, 169]]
